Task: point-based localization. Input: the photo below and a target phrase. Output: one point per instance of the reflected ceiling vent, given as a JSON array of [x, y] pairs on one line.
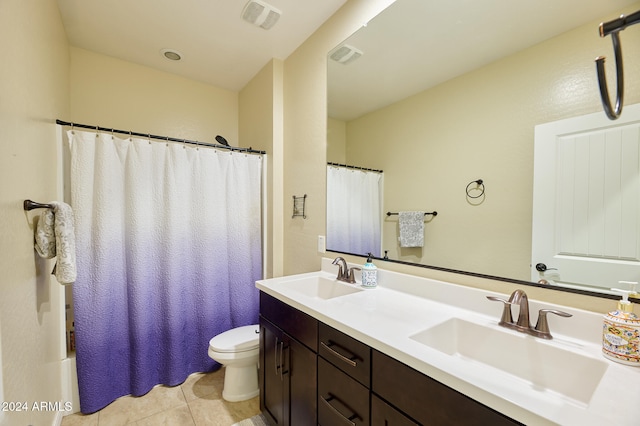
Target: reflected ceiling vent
[[345, 54], [261, 14]]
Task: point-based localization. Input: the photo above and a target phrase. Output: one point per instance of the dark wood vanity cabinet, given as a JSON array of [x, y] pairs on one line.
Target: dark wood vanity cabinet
[[344, 374], [272, 385], [313, 374], [288, 364], [426, 400], [342, 400], [383, 414], [346, 353]]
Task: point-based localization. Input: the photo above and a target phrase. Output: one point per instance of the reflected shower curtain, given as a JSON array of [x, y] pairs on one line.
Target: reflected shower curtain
[[168, 252], [354, 210]]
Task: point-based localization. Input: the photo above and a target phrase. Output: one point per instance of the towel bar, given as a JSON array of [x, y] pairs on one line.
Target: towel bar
[[426, 213], [30, 205]]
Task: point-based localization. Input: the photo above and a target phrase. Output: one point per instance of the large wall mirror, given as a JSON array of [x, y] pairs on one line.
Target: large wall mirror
[[439, 95]]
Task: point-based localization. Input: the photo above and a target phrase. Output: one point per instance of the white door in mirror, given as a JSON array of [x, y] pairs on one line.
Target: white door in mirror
[[586, 200]]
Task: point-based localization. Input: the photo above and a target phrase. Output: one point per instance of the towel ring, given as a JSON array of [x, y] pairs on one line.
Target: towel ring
[[613, 28], [479, 187], [612, 113]]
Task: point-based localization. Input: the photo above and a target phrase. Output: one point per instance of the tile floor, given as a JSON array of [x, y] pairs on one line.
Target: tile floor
[[196, 402]]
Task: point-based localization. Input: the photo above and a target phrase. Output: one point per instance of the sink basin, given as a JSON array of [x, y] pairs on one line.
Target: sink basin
[[542, 365], [321, 287]]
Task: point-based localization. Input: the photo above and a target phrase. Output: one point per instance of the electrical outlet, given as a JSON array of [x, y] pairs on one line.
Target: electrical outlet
[[321, 244]]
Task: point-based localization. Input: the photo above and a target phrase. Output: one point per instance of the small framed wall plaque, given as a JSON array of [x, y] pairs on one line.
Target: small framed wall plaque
[[299, 206]]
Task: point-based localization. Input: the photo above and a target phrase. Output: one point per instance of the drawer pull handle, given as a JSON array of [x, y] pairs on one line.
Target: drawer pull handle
[[349, 419], [351, 360], [279, 362], [275, 358]]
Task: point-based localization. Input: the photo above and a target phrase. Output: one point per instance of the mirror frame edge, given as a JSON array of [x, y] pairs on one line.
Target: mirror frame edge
[[495, 278]]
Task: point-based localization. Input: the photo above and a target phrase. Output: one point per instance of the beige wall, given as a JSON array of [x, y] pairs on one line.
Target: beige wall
[[34, 87], [336, 141], [109, 92], [260, 121], [305, 131], [481, 126]]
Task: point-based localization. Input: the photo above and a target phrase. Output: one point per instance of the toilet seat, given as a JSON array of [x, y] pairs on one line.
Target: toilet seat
[[236, 340]]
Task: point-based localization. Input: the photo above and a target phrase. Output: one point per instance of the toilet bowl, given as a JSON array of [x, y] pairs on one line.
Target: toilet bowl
[[237, 350]]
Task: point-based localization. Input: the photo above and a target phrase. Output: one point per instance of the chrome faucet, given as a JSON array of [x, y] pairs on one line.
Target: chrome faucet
[[523, 325], [344, 272]]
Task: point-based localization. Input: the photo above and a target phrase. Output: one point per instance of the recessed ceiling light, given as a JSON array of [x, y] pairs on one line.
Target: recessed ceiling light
[[171, 54]]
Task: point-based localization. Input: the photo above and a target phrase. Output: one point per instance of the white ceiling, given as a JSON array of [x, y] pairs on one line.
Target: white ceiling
[[219, 48], [217, 45]]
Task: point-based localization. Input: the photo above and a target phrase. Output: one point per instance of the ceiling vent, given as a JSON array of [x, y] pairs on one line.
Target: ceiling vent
[[345, 54], [261, 14]]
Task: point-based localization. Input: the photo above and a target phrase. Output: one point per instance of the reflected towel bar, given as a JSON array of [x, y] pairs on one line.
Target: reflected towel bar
[[426, 213], [30, 205]]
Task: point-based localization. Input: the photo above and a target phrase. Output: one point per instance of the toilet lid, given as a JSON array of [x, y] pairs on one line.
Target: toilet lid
[[237, 339]]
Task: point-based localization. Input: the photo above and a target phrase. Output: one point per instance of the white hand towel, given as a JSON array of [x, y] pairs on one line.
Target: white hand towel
[[45, 235], [411, 229], [55, 236]]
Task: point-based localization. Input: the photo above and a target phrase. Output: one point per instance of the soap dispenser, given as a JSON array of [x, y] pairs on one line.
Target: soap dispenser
[[369, 274], [621, 333]]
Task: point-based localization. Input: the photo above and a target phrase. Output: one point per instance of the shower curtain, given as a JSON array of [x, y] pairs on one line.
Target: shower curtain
[[354, 210], [168, 241]]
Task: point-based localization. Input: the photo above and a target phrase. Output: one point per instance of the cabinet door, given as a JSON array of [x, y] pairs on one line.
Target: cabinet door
[[342, 401], [302, 375], [273, 386]]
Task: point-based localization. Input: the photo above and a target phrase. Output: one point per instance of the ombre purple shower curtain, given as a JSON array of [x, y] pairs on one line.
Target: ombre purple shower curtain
[[354, 210], [168, 241]]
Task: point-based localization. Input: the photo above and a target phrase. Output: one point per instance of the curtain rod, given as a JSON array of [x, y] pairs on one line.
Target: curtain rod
[[163, 138], [355, 167]]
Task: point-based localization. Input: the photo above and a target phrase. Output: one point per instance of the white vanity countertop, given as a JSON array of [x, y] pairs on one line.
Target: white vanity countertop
[[403, 305]]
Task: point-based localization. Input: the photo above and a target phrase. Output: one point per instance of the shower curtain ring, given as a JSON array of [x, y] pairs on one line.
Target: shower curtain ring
[[602, 81]]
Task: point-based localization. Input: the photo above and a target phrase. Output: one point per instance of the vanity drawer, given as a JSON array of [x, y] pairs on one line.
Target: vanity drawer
[[341, 399], [426, 400], [383, 414], [295, 323], [348, 354]]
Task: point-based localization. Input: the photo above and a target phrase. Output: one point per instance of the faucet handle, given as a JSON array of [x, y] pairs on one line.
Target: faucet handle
[[542, 325], [506, 311], [350, 278]]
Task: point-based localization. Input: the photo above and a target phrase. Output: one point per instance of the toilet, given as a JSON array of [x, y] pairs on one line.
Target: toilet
[[237, 350]]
